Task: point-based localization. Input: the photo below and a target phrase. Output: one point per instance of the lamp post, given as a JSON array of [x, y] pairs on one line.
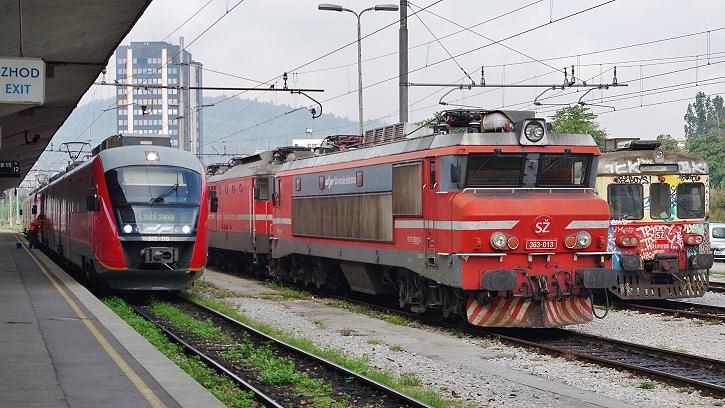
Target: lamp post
[[378, 7]]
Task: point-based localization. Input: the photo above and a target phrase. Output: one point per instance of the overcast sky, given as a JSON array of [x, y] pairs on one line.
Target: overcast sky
[[260, 39]]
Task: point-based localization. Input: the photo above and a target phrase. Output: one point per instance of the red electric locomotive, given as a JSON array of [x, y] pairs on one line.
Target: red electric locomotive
[[492, 217], [130, 217]]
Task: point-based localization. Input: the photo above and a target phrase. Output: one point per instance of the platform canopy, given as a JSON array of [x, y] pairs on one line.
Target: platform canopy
[[75, 38]]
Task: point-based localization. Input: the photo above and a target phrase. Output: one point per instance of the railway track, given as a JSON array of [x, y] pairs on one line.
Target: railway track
[[686, 369], [366, 390], [682, 309], [717, 287], [700, 372]]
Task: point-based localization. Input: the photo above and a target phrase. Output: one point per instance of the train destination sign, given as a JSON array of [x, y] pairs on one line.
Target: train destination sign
[[22, 81], [9, 168]]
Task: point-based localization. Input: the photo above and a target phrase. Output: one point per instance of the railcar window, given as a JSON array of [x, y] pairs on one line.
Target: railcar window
[[557, 170], [718, 232], [626, 201], [660, 200], [490, 170], [691, 200]]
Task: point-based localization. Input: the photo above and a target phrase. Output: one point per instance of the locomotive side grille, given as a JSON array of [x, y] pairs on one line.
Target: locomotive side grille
[[134, 251], [385, 134]]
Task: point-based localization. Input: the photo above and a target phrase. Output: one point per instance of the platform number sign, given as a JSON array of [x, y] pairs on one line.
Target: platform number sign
[[9, 168]]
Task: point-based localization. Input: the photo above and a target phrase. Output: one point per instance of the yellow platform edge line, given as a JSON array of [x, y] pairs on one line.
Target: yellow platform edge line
[[140, 385]]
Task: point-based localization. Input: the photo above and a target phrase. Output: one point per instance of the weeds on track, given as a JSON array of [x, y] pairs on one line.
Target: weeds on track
[[359, 365], [220, 386]]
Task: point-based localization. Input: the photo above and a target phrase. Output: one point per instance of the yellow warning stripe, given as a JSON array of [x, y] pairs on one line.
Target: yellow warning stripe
[[105, 344]]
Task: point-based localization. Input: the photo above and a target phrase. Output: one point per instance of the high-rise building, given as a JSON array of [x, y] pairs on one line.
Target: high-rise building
[[170, 111]]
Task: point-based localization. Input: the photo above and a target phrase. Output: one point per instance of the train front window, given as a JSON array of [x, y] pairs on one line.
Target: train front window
[[155, 199], [489, 170], [660, 200], [690, 200], [558, 170], [626, 201], [154, 185]]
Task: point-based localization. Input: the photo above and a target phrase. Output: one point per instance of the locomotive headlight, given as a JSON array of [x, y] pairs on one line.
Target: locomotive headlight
[[152, 156], [127, 229], [534, 131], [186, 229], [583, 239], [499, 240]]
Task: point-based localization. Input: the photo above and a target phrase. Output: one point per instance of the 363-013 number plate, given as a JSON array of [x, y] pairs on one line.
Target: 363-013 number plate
[[540, 244]]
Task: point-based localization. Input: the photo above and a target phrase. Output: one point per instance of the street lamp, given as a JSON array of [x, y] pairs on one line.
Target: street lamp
[[378, 7]]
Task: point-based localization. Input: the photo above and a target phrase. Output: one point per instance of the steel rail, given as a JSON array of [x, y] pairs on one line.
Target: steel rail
[[405, 399], [677, 308], [717, 287], [701, 372], [259, 395]]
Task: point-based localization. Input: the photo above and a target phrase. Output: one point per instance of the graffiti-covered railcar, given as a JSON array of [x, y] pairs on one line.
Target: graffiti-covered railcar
[[658, 203]]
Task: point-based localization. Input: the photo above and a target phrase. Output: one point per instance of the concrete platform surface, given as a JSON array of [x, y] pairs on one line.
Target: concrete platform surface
[[62, 347]]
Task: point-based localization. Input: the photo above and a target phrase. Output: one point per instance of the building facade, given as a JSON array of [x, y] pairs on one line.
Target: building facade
[[170, 111]]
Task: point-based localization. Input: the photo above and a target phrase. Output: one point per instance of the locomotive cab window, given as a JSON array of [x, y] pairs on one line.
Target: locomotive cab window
[[690, 200], [659, 195], [558, 170], [261, 188], [491, 170], [626, 201]]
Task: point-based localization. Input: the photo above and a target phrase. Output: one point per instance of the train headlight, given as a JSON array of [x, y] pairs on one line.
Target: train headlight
[[499, 240], [128, 228], [534, 131], [583, 239], [186, 229], [152, 156], [693, 239]]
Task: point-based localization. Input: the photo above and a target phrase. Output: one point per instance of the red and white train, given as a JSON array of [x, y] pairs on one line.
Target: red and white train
[[492, 217], [130, 218]]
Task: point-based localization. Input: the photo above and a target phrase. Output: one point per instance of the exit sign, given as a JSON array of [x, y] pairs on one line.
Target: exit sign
[[9, 168], [22, 81]]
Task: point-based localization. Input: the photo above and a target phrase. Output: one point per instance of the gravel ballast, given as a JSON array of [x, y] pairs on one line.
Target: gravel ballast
[[484, 372]]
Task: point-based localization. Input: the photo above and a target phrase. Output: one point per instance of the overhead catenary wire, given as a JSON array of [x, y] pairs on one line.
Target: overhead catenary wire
[[443, 46], [484, 37], [425, 43], [187, 20], [660, 74], [460, 54]]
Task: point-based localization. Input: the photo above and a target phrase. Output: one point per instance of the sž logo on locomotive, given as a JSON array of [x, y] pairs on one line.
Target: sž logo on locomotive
[[542, 225]]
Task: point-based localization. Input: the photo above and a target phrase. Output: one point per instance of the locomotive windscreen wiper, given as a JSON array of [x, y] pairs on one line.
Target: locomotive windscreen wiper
[[160, 198]]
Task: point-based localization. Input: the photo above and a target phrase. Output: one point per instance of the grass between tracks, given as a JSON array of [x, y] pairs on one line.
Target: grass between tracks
[[406, 384], [271, 368], [220, 386]]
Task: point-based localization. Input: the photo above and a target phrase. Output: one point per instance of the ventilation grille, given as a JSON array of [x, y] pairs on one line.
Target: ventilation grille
[[385, 134]]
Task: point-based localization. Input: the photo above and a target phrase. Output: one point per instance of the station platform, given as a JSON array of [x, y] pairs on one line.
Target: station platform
[[61, 347]]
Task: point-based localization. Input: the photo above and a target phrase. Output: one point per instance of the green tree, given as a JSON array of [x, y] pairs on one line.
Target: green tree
[[704, 130], [703, 115], [711, 147], [578, 119], [668, 143]]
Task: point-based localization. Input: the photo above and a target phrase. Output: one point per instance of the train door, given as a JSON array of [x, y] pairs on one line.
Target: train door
[[213, 207], [430, 187]]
